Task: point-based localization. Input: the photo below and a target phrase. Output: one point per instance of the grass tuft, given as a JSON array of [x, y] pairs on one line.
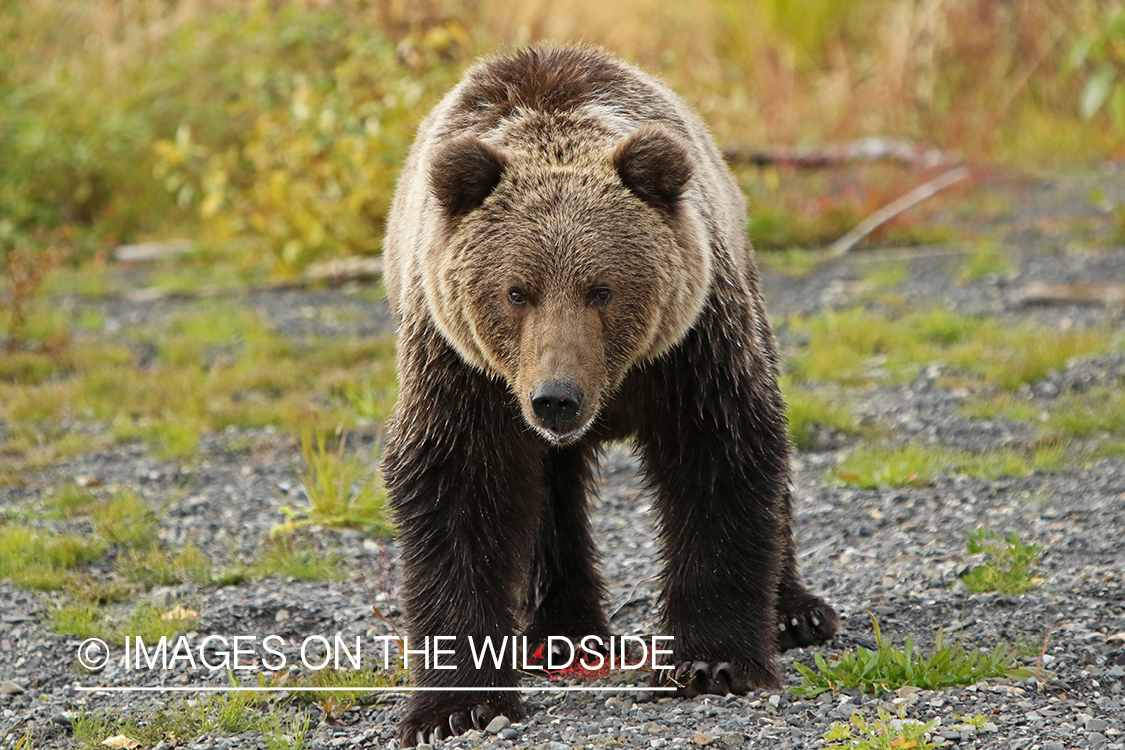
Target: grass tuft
[[343, 490], [888, 668], [41, 560], [125, 519], [283, 558]]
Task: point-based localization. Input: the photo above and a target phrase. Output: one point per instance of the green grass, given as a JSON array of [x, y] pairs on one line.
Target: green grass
[[914, 464], [885, 274], [986, 260], [284, 558], [39, 559], [882, 733], [156, 567], [888, 668], [342, 678], [794, 262], [808, 411], [1003, 405], [1088, 413], [215, 366], [188, 720], [1009, 565], [71, 501], [343, 490], [84, 619], [125, 519], [857, 345]]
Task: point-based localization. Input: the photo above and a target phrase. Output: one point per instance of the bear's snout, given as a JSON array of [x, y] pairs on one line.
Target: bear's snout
[[557, 404]]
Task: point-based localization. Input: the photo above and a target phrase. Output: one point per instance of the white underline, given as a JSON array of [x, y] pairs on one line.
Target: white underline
[[231, 689]]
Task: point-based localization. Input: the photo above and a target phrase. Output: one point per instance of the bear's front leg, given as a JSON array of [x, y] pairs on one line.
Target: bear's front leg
[[465, 480], [712, 435]]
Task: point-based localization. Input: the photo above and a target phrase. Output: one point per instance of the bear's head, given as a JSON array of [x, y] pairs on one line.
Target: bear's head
[[560, 264]]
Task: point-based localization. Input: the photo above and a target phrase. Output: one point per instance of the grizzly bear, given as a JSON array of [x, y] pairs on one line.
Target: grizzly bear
[[567, 262]]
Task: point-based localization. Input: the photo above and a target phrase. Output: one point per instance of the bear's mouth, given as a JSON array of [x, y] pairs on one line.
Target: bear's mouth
[[562, 437]]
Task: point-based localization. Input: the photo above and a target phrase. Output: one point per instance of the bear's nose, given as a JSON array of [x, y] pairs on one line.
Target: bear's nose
[[556, 403]]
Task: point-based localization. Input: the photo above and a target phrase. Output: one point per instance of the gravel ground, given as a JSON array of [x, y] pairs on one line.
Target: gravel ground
[[894, 553]]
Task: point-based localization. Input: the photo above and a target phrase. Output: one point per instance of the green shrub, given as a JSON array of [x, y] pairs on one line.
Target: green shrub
[[1009, 563]]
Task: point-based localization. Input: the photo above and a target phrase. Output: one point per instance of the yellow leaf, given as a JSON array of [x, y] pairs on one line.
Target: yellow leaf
[[179, 613]]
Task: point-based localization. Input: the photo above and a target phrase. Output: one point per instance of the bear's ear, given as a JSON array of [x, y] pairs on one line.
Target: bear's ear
[[654, 164], [464, 172]]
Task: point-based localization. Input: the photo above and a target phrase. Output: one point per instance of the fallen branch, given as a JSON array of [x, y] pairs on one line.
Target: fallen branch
[[821, 157], [1109, 294], [896, 207]]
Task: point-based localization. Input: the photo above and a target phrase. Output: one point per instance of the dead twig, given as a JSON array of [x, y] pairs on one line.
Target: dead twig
[[896, 207]]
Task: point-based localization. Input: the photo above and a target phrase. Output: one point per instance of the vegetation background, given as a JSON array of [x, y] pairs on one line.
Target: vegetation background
[[271, 132]]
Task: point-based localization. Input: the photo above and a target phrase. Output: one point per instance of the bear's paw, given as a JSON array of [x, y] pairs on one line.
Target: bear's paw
[[804, 620], [437, 725], [692, 678]]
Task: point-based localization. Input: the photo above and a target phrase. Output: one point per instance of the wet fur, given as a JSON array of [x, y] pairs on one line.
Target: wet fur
[[493, 520]]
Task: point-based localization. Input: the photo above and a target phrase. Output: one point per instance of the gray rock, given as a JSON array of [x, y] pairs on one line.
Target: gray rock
[[11, 687], [497, 724], [1096, 725], [507, 733]]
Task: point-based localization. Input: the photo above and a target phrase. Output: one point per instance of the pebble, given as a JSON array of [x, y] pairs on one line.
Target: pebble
[[11, 687], [497, 724]]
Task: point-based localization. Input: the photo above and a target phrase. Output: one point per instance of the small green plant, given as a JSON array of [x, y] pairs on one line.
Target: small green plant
[[889, 668], [973, 720], [341, 488], [882, 733], [125, 519], [1009, 566]]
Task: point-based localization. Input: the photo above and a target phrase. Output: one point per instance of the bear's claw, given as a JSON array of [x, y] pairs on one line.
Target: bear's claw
[[458, 722], [805, 621], [692, 678]]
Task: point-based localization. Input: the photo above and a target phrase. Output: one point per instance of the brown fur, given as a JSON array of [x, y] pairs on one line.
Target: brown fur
[[567, 262]]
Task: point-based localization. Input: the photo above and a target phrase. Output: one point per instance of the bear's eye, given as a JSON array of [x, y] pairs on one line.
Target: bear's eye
[[517, 297], [601, 296]]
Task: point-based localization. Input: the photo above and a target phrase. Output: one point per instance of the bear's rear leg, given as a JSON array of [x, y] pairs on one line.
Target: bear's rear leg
[[803, 619]]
